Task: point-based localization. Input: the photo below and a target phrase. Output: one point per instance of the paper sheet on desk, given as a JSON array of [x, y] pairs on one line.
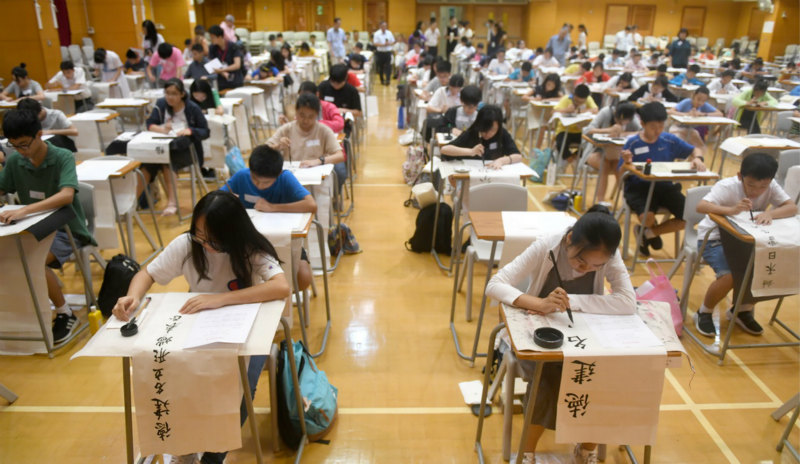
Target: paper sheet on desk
[[776, 269], [277, 227], [521, 228], [308, 176], [98, 170], [738, 145], [229, 324], [22, 224]]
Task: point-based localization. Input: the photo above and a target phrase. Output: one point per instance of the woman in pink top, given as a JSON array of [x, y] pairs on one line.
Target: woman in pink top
[[170, 58]]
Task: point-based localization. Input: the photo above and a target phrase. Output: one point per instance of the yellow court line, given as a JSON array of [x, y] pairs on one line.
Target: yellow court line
[[754, 377], [380, 185], [715, 437]]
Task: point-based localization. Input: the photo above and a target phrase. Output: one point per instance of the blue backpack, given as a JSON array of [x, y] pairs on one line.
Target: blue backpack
[[234, 161], [319, 398], [539, 162]]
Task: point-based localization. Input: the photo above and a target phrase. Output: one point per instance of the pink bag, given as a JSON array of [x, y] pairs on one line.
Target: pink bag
[[658, 288]]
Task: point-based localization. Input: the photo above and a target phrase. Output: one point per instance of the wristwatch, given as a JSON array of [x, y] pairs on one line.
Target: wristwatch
[[321, 160]]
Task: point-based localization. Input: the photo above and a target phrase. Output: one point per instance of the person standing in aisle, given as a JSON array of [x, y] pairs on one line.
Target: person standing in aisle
[[383, 40], [452, 36], [432, 38], [336, 39]]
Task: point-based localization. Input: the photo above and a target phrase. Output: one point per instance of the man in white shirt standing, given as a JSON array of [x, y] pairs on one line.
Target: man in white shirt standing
[[336, 38], [383, 40], [432, 38]]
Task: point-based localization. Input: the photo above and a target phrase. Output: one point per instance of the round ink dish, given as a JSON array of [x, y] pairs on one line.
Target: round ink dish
[[462, 169], [129, 330], [548, 337]]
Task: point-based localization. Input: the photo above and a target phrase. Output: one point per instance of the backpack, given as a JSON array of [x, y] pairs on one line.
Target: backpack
[[234, 161], [412, 166], [539, 163], [319, 397], [116, 280], [341, 237], [423, 235]]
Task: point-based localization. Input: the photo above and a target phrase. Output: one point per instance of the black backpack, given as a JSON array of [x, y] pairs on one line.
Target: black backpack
[[423, 235], [116, 280]]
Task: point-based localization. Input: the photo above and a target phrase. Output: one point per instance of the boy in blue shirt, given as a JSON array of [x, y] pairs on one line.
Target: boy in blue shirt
[[526, 74], [689, 77], [266, 187], [656, 145]]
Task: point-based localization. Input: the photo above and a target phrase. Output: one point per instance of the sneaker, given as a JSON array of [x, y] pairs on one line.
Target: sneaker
[[746, 321], [63, 327], [208, 174], [656, 242], [184, 459], [584, 456], [644, 249], [527, 458], [704, 322]]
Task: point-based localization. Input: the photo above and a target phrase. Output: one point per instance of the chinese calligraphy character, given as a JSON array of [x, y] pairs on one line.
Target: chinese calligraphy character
[[163, 341], [162, 407], [159, 387], [170, 327], [770, 268], [577, 403], [158, 373], [772, 241], [160, 355], [583, 372], [176, 318], [162, 430], [767, 283], [579, 342], [771, 255]]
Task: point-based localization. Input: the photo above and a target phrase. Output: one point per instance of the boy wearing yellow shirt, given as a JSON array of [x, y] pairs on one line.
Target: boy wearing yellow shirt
[[579, 102]]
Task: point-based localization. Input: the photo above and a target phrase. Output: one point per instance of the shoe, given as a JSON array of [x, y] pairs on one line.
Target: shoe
[[63, 327], [527, 458], [183, 459], [170, 210], [704, 322], [746, 321], [584, 456], [644, 249], [655, 242], [208, 174]]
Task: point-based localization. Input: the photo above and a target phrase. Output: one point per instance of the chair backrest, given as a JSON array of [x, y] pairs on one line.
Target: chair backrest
[[609, 40], [690, 214], [87, 41], [786, 160], [702, 42], [719, 43], [75, 54], [783, 124], [88, 53], [86, 197], [64, 53], [498, 197], [593, 46], [793, 183], [242, 32], [257, 36]]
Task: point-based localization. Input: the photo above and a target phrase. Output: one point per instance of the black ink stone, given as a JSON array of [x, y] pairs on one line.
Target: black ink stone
[[548, 337]]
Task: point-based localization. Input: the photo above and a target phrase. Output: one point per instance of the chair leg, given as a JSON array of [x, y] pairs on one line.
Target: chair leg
[[508, 403], [626, 231], [470, 270], [272, 365]]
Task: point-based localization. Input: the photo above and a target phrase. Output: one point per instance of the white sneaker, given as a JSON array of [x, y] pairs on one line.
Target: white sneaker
[[527, 458], [584, 456], [184, 459]]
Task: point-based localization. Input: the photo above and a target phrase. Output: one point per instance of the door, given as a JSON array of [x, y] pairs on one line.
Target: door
[[756, 24], [445, 12], [295, 15], [323, 14], [214, 11], [376, 12], [693, 19], [616, 18], [643, 16]]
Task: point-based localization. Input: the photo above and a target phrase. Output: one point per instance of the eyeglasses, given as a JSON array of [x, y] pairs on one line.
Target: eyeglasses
[[23, 146], [200, 241]]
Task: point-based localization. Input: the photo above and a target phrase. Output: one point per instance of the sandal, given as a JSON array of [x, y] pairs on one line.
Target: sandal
[[170, 210]]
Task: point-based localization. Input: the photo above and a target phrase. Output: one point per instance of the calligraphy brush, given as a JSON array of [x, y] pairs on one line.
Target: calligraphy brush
[[560, 283], [751, 216]]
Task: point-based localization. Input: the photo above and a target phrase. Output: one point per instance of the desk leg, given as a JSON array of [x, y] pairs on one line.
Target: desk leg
[[455, 252], [24, 261], [490, 266], [537, 376], [640, 236], [287, 333], [457, 268], [722, 161], [126, 392], [7, 394], [327, 293], [485, 392], [737, 306], [248, 402]]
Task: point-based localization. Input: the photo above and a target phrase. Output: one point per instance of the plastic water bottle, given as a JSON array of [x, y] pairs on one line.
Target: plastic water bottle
[[401, 117]]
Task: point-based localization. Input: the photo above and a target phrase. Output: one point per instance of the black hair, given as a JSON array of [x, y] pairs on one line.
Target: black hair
[[758, 61], [339, 19], [653, 111], [586, 65], [165, 50], [443, 67], [305, 46], [683, 30], [761, 85], [19, 72], [661, 81], [197, 48], [359, 45], [456, 80], [288, 47], [471, 95], [216, 31], [662, 68], [308, 100], [702, 89], [357, 58], [21, 123], [736, 63], [187, 42], [100, 55], [271, 37], [266, 161], [131, 54], [66, 65], [202, 85], [527, 66], [308, 87], [616, 51], [230, 228], [625, 111], [598, 64], [500, 50], [199, 30], [487, 116], [626, 77], [582, 91], [280, 34], [150, 32], [759, 166], [729, 73], [277, 59], [694, 68], [338, 73], [596, 230], [539, 50], [548, 50], [29, 104], [554, 78]]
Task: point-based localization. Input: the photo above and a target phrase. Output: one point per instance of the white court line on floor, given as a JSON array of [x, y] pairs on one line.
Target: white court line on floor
[[754, 377]]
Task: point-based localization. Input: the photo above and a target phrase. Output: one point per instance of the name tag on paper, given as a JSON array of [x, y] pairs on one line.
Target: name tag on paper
[[328, 98], [312, 143], [36, 195], [493, 146], [641, 150], [251, 198]]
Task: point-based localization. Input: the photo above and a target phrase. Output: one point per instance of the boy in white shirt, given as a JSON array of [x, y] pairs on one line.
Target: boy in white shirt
[[432, 38], [755, 189], [70, 78], [447, 97], [723, 84], [499, 65], [546, 60]]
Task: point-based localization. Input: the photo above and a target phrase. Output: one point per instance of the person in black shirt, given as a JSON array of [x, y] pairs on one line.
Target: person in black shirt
[[336, 90], [134, 63], [485, 139], [231, 75], [655, 91]]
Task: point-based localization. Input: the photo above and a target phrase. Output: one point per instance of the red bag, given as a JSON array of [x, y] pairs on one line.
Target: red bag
[[658, 288]]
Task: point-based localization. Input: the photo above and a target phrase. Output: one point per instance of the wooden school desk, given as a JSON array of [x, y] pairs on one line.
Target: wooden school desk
[[109, 211], [739, 146], [569, 122], [539, 112], [255, 103], [23, 252], [729, 230], [64, 100], [540, 358], [489, 226], [665, 175], [599, 141], [298, 236], [459, 171], [110, 343], [245, 139], [725, 124], [770, 110], [94, 126], [138, 104]]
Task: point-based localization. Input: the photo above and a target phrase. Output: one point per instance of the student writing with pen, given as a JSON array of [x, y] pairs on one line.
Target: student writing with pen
[[587, 257]]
